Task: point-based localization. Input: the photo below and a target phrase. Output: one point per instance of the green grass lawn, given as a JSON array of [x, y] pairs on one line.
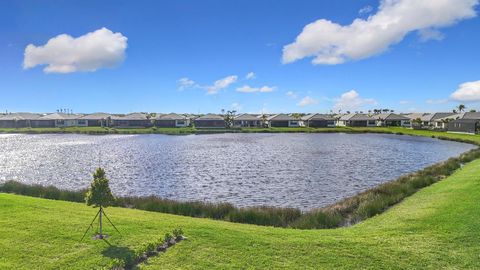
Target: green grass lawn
[[438, 227], [192, 130]]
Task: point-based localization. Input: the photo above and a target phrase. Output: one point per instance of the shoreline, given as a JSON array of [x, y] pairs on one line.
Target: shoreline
[[345, 212]]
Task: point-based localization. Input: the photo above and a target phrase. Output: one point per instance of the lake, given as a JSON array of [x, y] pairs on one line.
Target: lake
[[287, 170]]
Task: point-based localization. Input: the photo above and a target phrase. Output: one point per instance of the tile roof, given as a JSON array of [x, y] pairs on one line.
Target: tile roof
[[170, 116], [247, 117], [96, 116], [472, 115], [60, 116], [281, 117], [389, 116], [210, 116], [20, 116], [356, 117], [318, 116], [130, 116]]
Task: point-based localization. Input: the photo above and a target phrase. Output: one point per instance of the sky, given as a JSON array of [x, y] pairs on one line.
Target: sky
[[270, 56]]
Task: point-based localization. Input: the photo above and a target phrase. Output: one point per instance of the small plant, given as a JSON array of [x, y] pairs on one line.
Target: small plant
[[178, 232], [167, 237], [117, 264], [150, 248]]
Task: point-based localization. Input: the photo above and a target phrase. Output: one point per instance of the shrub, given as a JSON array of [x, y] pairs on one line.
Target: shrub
[[167, 237], [178, 232]]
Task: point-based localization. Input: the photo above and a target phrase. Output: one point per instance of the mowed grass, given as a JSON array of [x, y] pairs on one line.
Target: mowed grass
[[438, 227], [192, 130]]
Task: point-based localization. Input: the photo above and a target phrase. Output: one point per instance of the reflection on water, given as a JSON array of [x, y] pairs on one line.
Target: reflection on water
[[288, 170]]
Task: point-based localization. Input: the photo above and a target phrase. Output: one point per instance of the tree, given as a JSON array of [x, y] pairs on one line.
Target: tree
[[99, 195], [264, 120], [461, 108], [297, 115], [417, 121], [229, 117]]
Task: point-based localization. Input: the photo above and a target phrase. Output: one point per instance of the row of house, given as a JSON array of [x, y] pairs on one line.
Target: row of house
[[133, 120], [454, 122]]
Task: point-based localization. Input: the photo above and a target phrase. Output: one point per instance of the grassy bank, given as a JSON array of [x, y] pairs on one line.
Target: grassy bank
[[343, 213], [436, 228], [192, 130]]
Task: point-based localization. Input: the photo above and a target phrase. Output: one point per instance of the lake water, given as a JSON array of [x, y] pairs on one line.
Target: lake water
[[287, 170]]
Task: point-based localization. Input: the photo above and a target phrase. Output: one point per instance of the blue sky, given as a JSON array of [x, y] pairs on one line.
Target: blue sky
[[136, 62]]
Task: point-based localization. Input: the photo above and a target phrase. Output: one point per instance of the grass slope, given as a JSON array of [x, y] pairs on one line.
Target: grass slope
[[435, 228]]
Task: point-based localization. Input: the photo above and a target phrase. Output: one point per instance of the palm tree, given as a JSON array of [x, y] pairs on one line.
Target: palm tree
[[263, 118], [461, 108]]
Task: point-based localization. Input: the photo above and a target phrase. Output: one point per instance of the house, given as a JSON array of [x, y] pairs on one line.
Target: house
[[431, 120], [210, 121], [56, 120], [317, 120], [17, 120], [171, 120], [95, 120], [356, 120], [471, 115], [464, 126], [391, 120], [283, 120], [132, 120], [247, 120], [442, 123], [418, 120]]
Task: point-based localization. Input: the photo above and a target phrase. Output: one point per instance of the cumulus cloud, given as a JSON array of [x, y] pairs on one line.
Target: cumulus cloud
[[249, 89], [66, 54], [221, 84], [185, 83], [250, 76], [436, 101], [351, 100], [404, 102], [236, 106], [291, 94], [430, 34], [467, 92], [331, 43], [306, 101], [365, 10]]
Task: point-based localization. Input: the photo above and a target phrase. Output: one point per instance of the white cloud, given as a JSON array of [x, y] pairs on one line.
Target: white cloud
[[250, 76], [220, 84], [403, 102], [65, 54], [351, 100], [430, 34], [185, 83], [306, 101], [236, 106], [436, 101], [365, 10], [291, 94], [468, 92], [249, 89], [331, 43]]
